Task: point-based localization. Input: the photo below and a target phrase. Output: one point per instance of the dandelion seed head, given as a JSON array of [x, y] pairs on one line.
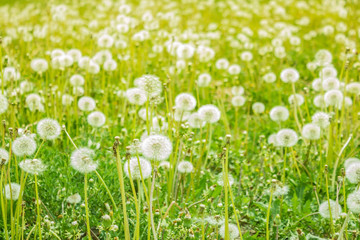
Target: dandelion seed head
[[321, 119], [185, 101], [238, 101], [289, 75], [195, 121], [14, 193], [3, 104], [258, 107], [133, 164], [335, 209], [136, 96], [311, 131], [150, 84], [39, 65], [279, 114], [156, 147], [350, 161], [269, 77], [209, 113], [96, 119], [82, 160], [333, 98], [185, 167], [48, 129], [32, 166], [352, 172], [24, 146], [74, 199], [286, 137], [204, 80], [86, 104], [233, 231], [353, 202], [77, 80], [296, 99]]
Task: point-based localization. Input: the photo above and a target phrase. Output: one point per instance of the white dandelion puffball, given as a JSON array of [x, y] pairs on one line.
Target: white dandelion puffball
[[209, 113], [317, 84], [321, 119], [48, 129], [233, 231], [204, 80], [335, 209], [220, 179], [222, 64], [96, 119], [135, 170], [13, 193], [289, 75], [110, 65], [330, 84], [333, 98], [279, 114], [269, 77], [156, 147], [281, 191], [319, 101], [74, 199], [353, 202], [286, 137], [39, 65], [82, 160], [323, 57], [185, 167], [77, 80], [311, 131], [195, 121], [4, 155], [353, 88], [23, 146], [185, 101], [296, 99], [105, 41], [238, 101], [32, 166], [150, 84], [3, 104], [237, 90], [86, 104], [180, 115], [350, 161], [234, 69], [328, 72], [136, 96], [352, 173], [272, 140], [34, 102], [164, 164], [258, 107], [246, 56]]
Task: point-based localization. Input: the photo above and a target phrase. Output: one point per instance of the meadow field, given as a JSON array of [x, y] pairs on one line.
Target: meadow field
[[179, 119]]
